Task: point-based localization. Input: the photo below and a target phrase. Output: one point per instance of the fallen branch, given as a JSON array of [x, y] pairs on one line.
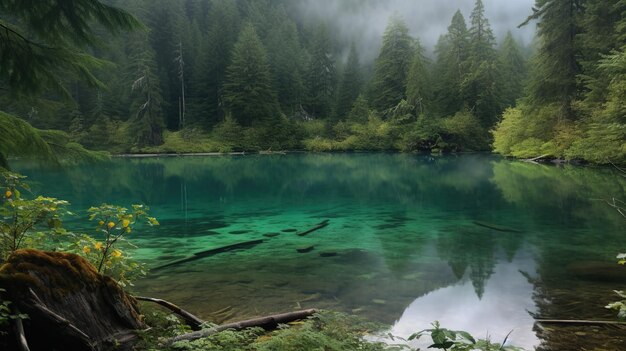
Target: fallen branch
[[267, 323], [535, 159], [194, 322], [499, 228], [317, 227], [211, 252], [580, 322], [19, 331]]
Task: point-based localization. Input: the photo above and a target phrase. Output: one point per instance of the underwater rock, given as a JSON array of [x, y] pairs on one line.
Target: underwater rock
[[239, 232], [69, 305], [305, 249], [271, 235]]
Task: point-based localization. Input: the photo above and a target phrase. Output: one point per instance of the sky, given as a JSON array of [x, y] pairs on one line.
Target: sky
[[427, 19]]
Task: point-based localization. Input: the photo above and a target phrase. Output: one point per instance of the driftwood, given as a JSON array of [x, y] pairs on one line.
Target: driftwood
[[497, 227], [194, 322], [267, 323], [211, 252], [19, 331], [578, 322], [535, 159], [317, 227]]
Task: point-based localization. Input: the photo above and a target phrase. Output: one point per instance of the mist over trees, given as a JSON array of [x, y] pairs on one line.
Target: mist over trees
[[228, 75]]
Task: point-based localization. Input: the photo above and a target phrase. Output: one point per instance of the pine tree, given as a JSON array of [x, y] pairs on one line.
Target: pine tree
[[286, 61], [392, 66], [350, 85], [513, 70], [480, 86], [555, 67], [321, 75], [147, 123], [248, 90], [418, 90], [452, 54]]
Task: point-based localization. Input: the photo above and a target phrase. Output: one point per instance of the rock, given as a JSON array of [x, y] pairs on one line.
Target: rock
[[239, 232], [69, 305], [305, 249]]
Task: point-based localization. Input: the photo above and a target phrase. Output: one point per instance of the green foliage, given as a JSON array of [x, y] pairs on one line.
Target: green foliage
[[21, 217], [513, 69], [248, 90], [418, 89], [389, 83], [40, 45], [350, 85], [464, 132], [20, 139], [321, 74], [229, 134], [6, 315], [458, 340]]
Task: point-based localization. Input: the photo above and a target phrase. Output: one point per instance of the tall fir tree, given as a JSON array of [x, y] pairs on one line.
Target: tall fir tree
[[513, 71], [322, 74], [452, 54], [480, 86], [350, 85], [418, 89], [555, 66], [392, 65], [247, 92]]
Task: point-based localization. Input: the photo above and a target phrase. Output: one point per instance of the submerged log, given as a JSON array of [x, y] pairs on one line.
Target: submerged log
[[267, 323], [194, 322], [69, 305], [497, 227], [211, 252], [317, 227]]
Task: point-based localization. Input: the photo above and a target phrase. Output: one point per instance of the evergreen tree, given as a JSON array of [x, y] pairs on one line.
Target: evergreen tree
[[322, 74], [418, 90], [452, 54], [147, 124], [480, 86], [350, 85], [286, 61], [392, 66], [248, 90], [555, 67], [513, 70], [206, 107]]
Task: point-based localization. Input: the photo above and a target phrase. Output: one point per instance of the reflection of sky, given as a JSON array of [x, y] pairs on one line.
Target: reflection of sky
[[504, 307]]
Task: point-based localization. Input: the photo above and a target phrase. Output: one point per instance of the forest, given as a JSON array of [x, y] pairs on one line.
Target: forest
[[239, 75]]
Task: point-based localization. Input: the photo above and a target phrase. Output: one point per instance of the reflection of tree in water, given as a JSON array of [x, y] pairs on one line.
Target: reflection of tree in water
[[466, 247]]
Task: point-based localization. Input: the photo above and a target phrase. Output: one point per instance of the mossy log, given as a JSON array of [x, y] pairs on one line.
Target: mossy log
[[69, 305], [317, 227], [267, 323]]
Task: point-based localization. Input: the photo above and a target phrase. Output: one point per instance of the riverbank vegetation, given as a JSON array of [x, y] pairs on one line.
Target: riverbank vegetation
[[237, 75]]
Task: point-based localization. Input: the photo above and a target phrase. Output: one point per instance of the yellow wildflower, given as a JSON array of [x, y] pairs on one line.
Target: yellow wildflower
[[110, 225], [128, 230], [125, 223], [116, 253], [101, 223], [86, 249], [8, 194], [97, 246]]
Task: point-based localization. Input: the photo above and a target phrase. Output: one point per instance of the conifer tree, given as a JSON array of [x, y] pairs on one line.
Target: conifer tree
[[248, 90], [392, 65], [513, 69], [555, 67], [452, 54], [322, 74], [418, 90], [350, 85]]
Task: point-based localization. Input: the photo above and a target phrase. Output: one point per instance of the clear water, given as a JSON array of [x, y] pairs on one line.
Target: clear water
[[402, 228]]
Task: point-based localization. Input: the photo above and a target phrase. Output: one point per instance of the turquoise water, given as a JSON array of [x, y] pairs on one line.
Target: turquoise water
[[406, 242]]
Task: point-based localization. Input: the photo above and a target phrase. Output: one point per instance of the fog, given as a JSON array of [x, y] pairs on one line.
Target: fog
[[364, 21]]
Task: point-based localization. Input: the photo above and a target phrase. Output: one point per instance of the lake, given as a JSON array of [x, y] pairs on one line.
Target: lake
[[478, 242]]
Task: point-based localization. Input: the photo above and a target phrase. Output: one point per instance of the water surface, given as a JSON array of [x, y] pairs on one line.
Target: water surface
[[406, 242]]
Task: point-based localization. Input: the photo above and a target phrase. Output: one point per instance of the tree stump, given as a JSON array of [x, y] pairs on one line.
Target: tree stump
[[69, 305]]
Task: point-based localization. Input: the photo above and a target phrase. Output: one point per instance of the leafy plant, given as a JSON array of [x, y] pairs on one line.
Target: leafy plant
[[20, 218], [458, 340], [619, 306]]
